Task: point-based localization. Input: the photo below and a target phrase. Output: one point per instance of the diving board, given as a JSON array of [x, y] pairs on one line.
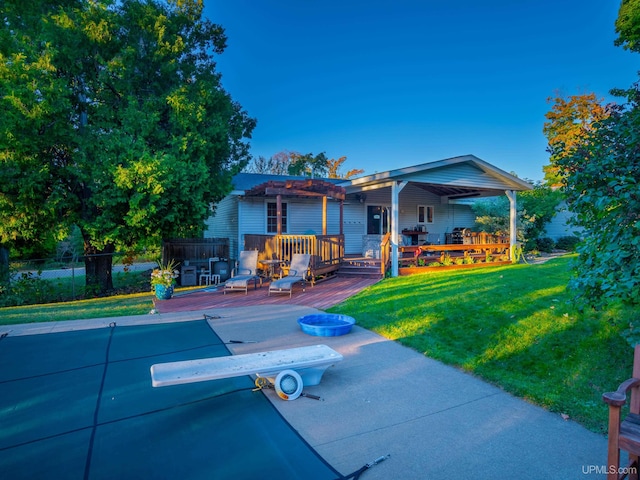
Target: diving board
[[309, 362]]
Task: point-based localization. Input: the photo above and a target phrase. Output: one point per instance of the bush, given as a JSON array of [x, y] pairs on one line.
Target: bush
[[567, 243], [545, 244], [25, 289]]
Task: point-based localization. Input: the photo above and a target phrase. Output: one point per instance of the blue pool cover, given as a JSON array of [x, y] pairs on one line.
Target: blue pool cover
[[80, 405]]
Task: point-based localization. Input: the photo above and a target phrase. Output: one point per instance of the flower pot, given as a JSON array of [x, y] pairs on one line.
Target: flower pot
[[163, 293]]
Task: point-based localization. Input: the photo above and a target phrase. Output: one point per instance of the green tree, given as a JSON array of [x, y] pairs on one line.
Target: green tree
[[628, 25], [293, 163], [601, 180], [536, 208], [114, 120], [309, 165], [602, 185]]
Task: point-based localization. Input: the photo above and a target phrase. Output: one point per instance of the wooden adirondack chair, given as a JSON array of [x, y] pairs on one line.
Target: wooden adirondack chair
[[625, 434]]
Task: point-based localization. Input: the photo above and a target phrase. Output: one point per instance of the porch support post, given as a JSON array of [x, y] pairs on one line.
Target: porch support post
[[396, 188], [279, 214], [513, 216], [324, 215], [341, 217]]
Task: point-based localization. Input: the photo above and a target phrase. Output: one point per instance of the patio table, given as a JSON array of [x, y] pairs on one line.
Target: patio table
[[271, 266]]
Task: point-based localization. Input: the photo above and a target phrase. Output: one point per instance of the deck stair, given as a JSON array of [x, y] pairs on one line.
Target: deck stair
[[360, 267]]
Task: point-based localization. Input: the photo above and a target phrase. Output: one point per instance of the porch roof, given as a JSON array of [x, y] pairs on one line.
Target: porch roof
[[455, 178]]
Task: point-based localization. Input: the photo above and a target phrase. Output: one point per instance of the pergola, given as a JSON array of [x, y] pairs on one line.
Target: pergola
[[307, 188]]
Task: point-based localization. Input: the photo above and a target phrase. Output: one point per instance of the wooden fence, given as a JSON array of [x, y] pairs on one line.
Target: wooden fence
[[196, 251]]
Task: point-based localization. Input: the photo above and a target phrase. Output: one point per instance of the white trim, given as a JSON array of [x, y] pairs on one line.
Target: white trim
[[425, 216], [266, 217]]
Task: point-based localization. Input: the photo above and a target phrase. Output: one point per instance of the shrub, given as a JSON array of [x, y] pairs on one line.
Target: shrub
[[25, 289], [567, 243], [545, 244]]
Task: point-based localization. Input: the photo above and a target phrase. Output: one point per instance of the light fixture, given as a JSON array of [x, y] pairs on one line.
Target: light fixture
[[288, 385]]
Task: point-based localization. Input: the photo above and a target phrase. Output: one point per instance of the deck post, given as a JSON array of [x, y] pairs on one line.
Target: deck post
[[279, 214], [324, 215], [396, 188], [513, 216]]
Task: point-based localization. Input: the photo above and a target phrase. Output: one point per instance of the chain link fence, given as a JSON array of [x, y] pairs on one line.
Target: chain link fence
[[63, 278]]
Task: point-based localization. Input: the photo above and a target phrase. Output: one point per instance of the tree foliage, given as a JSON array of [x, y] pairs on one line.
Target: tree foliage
[[601, 180], [602, 185], [628, 25], [568, 124], [114, 120], [535, 209], [333, 167], [294, 163]]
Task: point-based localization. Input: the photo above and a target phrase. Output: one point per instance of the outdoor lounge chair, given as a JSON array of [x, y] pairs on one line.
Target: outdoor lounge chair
[[297, 274], [245, 271], [624, 433]]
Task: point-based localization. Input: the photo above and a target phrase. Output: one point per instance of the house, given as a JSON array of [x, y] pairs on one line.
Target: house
[[412, 205], [559, 226]]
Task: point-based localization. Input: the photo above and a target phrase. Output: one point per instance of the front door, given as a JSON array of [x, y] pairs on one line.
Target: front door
[[378, 219]]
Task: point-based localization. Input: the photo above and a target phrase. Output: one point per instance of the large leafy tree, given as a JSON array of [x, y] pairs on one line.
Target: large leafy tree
[[601, 181], [628, 25], [114, 120], [602, 185]]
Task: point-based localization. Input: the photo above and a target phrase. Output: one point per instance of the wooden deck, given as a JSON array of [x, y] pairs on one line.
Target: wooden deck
[[321, 296]]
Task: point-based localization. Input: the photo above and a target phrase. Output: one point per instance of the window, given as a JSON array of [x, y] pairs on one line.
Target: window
[[272, 217], [425, 214]]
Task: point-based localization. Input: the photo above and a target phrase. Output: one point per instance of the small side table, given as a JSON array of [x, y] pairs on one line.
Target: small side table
[[271, 267]]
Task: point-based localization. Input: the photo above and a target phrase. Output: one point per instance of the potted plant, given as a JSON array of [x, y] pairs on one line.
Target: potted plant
[[163, 279]]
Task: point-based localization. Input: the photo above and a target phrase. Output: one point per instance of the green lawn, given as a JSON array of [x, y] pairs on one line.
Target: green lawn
[[118, 306], [514, 326]]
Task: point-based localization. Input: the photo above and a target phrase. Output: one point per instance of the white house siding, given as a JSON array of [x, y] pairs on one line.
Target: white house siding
[[224, 224], [558, 226], [459, 175], [305, 216]]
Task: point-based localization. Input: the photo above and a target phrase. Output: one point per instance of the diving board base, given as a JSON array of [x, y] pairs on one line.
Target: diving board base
[[309, 362]]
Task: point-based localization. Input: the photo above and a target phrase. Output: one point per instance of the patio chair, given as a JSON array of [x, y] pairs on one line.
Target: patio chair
[[625, 434], [245, 271], [206, 274], [297, 274]]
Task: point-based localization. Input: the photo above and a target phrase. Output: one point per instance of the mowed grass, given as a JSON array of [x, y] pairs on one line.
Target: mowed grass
[[515, 326], [118, 306]]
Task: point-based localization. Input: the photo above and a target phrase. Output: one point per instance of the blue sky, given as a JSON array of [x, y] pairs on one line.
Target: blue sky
[[394, 83]]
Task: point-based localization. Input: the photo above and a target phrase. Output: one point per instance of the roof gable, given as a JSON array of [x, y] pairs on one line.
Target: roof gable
[[466, 171]]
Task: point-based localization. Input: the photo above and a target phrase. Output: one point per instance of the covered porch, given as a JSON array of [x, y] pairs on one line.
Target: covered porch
[[426, 214]]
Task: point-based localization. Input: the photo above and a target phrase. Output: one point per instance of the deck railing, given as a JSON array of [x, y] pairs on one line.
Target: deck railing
[[479, 252], [327, 251], [385, 254]]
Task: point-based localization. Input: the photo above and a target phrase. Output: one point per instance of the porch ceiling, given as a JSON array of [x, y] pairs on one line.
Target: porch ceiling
[[454, 192], [297, 188]]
